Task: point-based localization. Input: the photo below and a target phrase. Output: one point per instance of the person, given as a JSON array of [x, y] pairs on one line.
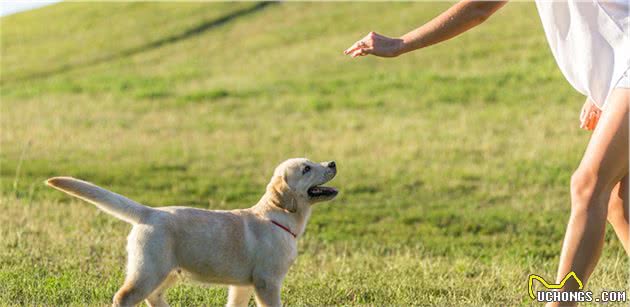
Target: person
[[590, 43]]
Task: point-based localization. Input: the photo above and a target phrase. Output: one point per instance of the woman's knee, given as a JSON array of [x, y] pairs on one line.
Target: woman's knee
[[588, 189]]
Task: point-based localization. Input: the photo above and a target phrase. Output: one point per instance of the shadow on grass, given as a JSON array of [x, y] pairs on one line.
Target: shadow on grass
[[203, 27]]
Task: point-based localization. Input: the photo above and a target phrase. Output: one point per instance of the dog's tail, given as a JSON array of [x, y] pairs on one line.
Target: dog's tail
[[110, 202]]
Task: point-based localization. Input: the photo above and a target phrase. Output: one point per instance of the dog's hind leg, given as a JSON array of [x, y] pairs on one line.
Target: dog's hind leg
[[140, 284], [136, 289], [148, 265], [239, 295], [157, 297]]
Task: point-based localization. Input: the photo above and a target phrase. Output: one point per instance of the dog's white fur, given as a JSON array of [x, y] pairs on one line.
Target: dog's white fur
[[241, 248]]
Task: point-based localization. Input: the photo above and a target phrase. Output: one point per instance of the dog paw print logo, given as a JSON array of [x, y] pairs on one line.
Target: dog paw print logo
[[547, 285]]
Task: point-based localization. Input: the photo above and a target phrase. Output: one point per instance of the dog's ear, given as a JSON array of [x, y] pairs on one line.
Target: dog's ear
[[281, 194]]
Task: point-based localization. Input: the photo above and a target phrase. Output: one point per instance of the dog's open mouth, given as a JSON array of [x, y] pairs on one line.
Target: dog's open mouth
[[320, 191]]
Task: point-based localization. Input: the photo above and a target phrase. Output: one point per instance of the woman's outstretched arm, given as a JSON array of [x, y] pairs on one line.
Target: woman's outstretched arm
[[456, 20]]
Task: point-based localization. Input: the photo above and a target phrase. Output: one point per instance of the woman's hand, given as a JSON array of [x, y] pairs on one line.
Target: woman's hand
[[376, 44], [590, 115]]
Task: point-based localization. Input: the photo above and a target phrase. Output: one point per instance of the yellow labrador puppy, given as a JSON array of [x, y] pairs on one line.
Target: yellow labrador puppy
[[250, 249]]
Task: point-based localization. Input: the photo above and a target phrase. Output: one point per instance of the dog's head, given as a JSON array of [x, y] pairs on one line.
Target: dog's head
[[298, 182]]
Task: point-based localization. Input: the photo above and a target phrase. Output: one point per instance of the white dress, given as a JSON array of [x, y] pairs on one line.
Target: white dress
[[590, 42]]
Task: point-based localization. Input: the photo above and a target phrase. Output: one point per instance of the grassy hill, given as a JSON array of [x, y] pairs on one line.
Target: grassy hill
[[454, 161]]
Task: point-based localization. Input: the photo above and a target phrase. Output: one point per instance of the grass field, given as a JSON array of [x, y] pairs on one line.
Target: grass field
[[454, 161]]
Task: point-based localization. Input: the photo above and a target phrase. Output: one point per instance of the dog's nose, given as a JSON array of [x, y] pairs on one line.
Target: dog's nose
[[332, 164]]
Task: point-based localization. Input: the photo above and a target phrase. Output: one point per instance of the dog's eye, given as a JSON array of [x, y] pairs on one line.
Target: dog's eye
[[306, 169]]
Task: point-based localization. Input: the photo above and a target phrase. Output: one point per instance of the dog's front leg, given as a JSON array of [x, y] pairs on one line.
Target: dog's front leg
[[239, 295], [267, 292]]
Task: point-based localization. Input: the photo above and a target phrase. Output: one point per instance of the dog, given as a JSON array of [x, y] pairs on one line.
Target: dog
[[250, 250]]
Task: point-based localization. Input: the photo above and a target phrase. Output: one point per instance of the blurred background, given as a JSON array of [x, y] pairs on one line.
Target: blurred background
[[454, 161]]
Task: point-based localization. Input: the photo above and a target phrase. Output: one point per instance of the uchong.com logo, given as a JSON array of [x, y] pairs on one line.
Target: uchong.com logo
[[552, 293]]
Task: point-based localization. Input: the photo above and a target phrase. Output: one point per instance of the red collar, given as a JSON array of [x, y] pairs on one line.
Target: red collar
[[285, 228]]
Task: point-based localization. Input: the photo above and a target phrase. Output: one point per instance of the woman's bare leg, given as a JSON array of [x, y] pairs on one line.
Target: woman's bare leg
[[618, 210], [604, 164]]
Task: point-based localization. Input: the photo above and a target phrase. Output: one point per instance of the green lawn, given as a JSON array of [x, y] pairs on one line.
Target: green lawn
[[454, 161]]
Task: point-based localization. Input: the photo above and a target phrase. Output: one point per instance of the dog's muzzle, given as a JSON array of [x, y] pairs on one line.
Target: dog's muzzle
[[320, 191]]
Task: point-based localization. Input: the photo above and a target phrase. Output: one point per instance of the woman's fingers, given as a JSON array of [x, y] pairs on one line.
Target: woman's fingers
[[356, 53], [352, 48], [366, 44], [362, 43], [359, 46], [586, 109], [361, 52], [375, 44]]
